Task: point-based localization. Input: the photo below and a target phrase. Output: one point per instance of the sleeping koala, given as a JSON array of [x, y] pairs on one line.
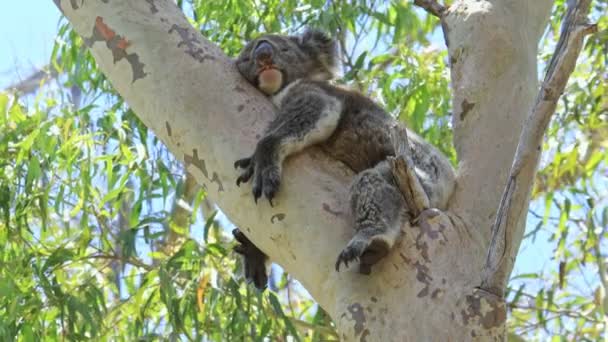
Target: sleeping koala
[[294, 71]]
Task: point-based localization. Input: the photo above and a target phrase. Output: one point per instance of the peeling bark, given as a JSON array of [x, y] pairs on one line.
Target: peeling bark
[[192, 97]]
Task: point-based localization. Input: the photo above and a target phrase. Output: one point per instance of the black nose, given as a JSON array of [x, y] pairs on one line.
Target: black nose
[[263, 51]]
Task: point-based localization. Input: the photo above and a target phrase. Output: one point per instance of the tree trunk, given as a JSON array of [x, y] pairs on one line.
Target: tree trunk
[[190, 94]]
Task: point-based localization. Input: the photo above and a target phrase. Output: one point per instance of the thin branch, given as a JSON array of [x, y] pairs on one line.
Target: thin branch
[[507, 227], [431, 6]]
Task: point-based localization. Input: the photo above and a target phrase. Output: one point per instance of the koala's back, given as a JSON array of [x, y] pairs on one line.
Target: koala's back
[[362, 138]]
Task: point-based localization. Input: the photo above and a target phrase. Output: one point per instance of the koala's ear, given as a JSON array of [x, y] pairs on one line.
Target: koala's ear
[[318, 41], [315, 37], [322, 46]]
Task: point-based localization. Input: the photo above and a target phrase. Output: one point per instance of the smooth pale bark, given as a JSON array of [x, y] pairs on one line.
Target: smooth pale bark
[[189, 93]]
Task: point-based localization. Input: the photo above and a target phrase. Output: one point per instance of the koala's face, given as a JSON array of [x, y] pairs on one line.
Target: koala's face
[[273, 61]]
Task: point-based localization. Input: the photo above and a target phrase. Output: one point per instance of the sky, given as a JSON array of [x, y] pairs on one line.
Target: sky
[[26, 42], [26, 37]]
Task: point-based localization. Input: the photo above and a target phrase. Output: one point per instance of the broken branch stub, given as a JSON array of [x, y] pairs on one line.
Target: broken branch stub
[[404, 174]]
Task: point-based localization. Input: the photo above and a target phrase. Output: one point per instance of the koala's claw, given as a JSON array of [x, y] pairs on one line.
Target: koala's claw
[[257, 193], [246, 164], [254, 260], [242, 163], [348, 254], [368, 253], [244, 177], [271, 180]]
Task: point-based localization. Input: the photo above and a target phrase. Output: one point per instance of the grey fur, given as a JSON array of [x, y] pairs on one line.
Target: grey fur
[[348, 126]]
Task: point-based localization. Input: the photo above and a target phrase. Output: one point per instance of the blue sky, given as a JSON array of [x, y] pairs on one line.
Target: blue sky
[[26, 37], [26, 42]]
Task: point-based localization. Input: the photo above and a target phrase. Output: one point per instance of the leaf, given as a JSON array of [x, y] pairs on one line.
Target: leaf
[[279, 311]]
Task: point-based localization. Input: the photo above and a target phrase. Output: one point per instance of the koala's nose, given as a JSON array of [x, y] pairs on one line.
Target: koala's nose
[[263, 52]]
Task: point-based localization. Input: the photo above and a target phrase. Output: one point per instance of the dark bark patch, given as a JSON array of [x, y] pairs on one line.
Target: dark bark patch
[[239, 89], [422, 275], [465, 107], [489, 311], [428, 232], [216, 178], [240, 108], [436, 293], [118, 45], [168, 127], [357, 315], [327, 208], [193, 45], [196, 161], [465, 317], [278, 217], [374, 299], [75, 5], [405, 259], [453, 60], [364, 335], [548, 94], [153, 8]]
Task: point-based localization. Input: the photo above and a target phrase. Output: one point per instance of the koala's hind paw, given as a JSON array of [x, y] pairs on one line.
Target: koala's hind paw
[[254, 260], [367, 252]]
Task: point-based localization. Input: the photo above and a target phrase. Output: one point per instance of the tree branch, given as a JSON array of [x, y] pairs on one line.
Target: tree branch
[[504, 243], [431, 6]]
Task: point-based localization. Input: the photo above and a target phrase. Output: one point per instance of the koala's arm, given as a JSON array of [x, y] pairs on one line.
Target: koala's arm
[[306, 116]]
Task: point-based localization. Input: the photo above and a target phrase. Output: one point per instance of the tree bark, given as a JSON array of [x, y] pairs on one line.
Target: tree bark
[[190, 94]]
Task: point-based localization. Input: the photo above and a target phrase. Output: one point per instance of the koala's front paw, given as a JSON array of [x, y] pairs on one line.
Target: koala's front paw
[[368, 252], [266, 175], [254, 260]]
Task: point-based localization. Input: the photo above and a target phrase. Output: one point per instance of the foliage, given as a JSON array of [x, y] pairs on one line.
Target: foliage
[[103, 235]]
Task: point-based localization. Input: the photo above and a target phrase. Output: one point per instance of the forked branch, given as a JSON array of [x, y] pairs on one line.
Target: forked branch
[[505, 240]]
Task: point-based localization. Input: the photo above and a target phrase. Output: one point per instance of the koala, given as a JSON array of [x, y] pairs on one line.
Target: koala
[[294, 71]]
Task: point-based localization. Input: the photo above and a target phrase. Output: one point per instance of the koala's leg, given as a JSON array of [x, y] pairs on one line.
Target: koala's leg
[[434, 171], [302, 121], [379, 210], [255, 263]]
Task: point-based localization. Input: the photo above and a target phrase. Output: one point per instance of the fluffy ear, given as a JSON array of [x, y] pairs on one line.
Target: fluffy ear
[[322, 47]]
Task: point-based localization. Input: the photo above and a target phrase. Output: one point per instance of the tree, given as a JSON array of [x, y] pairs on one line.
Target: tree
[[184, 88]]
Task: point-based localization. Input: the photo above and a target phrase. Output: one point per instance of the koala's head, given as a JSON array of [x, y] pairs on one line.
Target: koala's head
[[271, 61]]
